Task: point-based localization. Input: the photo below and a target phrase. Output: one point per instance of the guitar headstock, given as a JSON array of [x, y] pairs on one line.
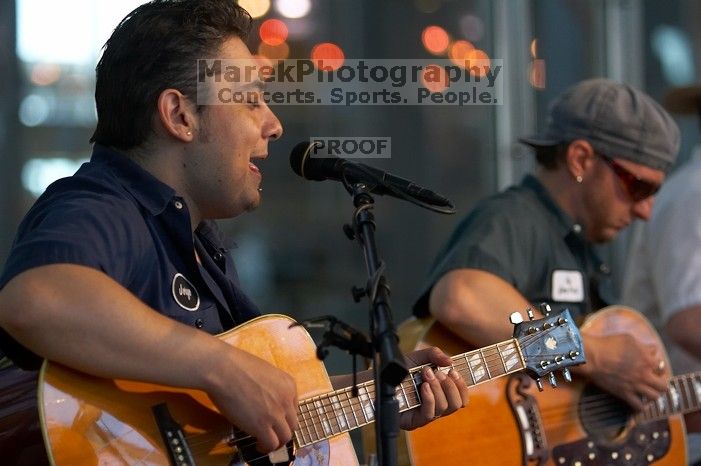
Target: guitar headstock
[[549, 344]]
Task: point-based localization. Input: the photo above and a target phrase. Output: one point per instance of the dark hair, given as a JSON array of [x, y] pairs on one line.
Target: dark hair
[[156, 47], [549, 157]]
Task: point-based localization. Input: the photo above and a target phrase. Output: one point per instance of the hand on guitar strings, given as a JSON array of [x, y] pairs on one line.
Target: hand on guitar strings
[[442, 393], [626, 368], [262, 403]]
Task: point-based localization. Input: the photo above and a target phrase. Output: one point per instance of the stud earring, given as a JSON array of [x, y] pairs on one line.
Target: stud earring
[[579, 178], [189, 133]]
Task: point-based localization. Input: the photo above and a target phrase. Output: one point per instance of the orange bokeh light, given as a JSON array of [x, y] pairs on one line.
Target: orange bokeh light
[[478, 60], [458, 52], [255, 8], [275, 52], [273, 32], [45, 74], [328, 56], [435, 78], [435, 39], [537, 73]]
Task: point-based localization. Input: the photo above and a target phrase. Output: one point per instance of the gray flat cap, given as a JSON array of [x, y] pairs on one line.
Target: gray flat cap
[[616, 119]]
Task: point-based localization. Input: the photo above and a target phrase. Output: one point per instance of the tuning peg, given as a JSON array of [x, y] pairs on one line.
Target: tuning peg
[[545, 309], [566, 374], [553, 380], [561, 321], [516, 318], [559, 359], [529, 311], [539, 384], [573, 354]]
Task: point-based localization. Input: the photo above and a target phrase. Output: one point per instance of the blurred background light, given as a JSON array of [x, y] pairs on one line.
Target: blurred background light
[[537, 73], [435, 39], [274, 52], [328, 56], [273, 32], [673, 48], [39, 173], [293, 8], [34, 110], [458, 52], [478, 59], [256, 8], [42, 35], [472, 27], [434, 78], [45, 74]]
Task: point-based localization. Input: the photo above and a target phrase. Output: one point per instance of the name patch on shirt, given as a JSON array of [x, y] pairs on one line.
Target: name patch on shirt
[[568, 286], [185, 293]]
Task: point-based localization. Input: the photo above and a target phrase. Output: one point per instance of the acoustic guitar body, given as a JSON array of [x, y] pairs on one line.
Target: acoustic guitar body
[[93, 421], [510, 422], [483, 433]]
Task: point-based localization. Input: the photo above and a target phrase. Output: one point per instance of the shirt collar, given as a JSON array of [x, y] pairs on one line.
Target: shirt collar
[[564, 223], [148, 190]]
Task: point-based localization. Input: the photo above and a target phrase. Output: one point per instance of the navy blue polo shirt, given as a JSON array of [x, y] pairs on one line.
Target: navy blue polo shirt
[[115, 217], [523, 236]]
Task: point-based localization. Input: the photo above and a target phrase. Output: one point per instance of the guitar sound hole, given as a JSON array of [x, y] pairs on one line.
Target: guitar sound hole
[[602, 415]]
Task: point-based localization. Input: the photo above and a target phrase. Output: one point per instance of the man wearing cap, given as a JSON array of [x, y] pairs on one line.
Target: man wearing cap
[[663, 275], [604, 154]]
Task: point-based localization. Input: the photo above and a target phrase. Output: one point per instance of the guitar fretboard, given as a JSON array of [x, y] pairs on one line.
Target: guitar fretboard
[[682, 396], [324, 416]]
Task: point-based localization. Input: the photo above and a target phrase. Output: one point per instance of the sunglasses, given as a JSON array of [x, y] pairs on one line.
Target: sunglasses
[[637, 188]]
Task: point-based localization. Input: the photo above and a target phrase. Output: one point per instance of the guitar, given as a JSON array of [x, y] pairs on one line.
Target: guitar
[[577, 424], [91, 420]]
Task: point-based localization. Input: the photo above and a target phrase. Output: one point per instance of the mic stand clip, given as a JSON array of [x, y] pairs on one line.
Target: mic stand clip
[[341, 335]]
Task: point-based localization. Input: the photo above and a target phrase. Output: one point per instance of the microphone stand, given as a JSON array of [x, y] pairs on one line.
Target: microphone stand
[[389, 365]]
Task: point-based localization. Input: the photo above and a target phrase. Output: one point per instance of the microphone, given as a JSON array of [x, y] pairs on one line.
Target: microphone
[[380, 182]]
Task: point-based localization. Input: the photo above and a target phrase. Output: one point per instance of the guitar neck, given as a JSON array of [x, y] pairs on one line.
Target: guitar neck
[[324, 416], [682, 396]]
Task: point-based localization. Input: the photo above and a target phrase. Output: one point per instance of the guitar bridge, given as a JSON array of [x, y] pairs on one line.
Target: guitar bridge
[[173, 437], [525, 409]]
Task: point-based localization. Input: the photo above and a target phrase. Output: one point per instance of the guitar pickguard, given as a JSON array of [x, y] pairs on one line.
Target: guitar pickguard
[[313, 455], [612, 436], [525, 408], [642, 445]]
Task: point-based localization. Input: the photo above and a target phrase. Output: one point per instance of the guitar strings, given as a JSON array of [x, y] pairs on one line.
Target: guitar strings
[[600, 408], [370, 393], [487, 358], [686, 400], [588, 403], [324, 402], [601, 402]]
